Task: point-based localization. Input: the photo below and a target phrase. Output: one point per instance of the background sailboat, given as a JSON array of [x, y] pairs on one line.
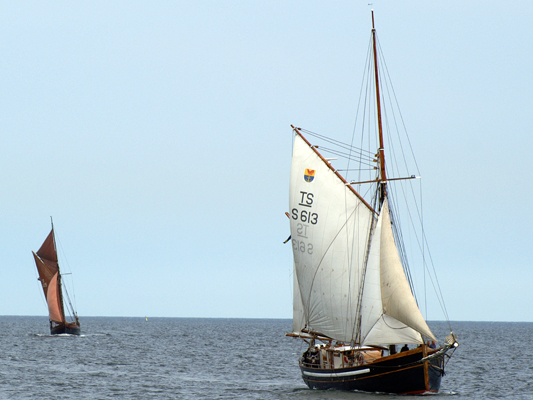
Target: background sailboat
[[352, 286], [50, 277]]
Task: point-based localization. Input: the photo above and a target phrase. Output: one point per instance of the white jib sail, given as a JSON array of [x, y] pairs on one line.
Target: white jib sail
[[390, 312], [398, 300]]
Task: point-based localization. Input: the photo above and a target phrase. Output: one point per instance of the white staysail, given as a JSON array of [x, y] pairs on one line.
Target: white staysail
[[342, 284], [398, 300], [389, 311]]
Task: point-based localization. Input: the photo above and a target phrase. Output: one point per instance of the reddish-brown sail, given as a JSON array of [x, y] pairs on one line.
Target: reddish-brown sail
[[48, 268]]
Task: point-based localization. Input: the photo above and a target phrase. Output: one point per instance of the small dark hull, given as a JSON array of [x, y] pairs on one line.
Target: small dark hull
[[70, 329], [403, 373]]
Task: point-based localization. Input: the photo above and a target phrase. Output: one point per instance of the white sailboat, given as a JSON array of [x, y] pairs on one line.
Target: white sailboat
[[353, 303]]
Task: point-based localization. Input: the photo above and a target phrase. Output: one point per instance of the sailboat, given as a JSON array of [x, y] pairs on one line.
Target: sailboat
[[354, 305], [50, 277]]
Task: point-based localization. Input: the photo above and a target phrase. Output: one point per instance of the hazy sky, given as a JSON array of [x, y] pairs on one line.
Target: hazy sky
[[157, 135]]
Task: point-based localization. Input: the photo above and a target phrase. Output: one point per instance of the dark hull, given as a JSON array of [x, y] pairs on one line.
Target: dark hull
[[403, 373], [70, 329]]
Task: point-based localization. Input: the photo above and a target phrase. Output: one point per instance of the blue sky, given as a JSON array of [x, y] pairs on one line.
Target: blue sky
[[157, 135]]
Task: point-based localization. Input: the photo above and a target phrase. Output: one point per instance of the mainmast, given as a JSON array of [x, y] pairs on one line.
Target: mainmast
[[381, 154]]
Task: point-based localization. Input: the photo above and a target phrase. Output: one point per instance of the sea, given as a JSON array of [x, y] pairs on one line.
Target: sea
[[194, 358]]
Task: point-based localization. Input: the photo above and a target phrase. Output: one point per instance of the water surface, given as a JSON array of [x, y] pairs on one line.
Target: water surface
[[180, 358]]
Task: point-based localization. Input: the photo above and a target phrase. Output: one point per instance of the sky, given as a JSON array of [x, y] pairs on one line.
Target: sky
[[157, 135]]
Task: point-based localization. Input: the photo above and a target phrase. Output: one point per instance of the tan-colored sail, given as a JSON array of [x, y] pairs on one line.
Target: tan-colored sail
[[54, 301]]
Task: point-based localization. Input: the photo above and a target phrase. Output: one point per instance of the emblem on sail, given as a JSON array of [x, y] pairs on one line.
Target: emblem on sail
[[309, 175]]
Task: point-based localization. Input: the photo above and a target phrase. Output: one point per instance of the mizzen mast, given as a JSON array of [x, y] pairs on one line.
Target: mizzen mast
[[381, 154]]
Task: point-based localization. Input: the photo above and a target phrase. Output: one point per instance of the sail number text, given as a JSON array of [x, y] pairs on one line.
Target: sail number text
[[305, 215]]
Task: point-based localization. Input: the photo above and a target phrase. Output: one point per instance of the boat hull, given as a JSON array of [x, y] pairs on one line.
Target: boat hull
[[69, 329], [401, 374]]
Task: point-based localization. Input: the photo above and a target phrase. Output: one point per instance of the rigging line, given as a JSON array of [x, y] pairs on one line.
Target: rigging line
[[373, 127], [394, 203], [420, 216], [401, 249], [358, 107], [408, 209], [356, 332], [347, 153], [71, 280], [402, 120], [71, 310], [343, 151], [339, 153], [365, 126], [371, 93], [422, 243], [368, 165], [351, 256], [387, 84], [433, 278], [357, 169], [356, 328], [440, 297], [389, 91], [331, 140], [424, 256], [425, 245], [350, 259], [346, 150]]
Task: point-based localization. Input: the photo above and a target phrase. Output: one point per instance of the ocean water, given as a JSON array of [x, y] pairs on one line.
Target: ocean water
[[180, 358]]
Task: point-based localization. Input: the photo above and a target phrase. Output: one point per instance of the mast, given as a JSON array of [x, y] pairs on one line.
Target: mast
[[382, 189], [383, 177]]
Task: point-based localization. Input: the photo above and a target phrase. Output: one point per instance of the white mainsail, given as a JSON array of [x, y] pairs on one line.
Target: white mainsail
[[331, 227], [329, 231]]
